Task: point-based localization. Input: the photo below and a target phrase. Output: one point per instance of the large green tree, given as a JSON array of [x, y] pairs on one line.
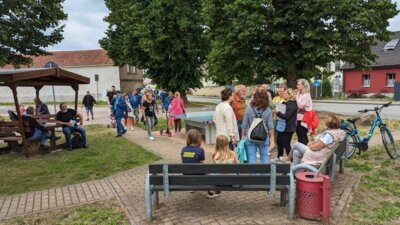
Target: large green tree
[[27, 27], [163, 36], [257, 39]]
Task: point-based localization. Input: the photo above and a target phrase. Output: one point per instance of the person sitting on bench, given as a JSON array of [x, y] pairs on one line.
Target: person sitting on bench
[[315, 152], [38, 131], [67, 118]]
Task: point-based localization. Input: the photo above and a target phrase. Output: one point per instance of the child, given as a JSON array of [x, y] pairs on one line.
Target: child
[[192, 152], [222, 155]]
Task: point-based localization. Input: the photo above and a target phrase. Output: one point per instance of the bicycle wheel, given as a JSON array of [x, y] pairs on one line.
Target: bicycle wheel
[[352, 145], [388, 142]]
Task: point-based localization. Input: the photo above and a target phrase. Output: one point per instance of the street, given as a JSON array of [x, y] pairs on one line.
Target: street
[[392, 112]]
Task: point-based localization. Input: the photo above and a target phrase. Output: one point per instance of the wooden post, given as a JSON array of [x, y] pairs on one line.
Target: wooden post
[[76, 89], [21, 122], [37, 97]]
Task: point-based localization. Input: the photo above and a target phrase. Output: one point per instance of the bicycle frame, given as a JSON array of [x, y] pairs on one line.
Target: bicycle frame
[[376, 123]]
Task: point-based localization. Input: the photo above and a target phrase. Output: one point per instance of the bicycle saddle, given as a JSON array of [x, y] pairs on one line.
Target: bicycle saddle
[[352, 120]]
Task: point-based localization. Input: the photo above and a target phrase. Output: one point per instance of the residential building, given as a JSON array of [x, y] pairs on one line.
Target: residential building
[[385, 70], [94, 64]]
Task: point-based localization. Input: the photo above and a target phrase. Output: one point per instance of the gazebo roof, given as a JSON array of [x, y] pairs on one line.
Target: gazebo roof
[[30, 77]]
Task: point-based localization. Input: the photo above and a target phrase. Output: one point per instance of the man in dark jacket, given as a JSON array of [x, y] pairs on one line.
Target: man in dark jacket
[[88, 101], [37, 130], [42, 107]]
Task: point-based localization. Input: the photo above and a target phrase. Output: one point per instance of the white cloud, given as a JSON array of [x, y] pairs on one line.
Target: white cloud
[[85, 25]]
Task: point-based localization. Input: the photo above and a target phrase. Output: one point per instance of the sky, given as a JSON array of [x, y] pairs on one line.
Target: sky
[[85, 25]]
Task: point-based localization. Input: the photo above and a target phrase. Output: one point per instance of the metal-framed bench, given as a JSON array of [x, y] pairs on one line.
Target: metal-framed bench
[[328, 166], [223, 177]]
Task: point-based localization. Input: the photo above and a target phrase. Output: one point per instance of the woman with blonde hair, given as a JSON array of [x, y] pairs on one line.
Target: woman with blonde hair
[[177, 108], [222, 155], [288, 118], [304, 103]]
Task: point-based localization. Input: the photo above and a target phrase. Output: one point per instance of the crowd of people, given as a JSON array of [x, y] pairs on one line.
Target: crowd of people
[[140, 105], [267, 122]]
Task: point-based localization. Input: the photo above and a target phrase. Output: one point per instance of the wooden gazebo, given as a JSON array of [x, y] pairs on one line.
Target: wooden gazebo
[[37, 78]]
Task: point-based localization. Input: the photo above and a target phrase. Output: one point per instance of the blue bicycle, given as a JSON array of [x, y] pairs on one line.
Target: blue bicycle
[[360, 143]]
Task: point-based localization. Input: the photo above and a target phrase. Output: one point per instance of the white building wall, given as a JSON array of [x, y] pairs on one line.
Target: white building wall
[[108, 75]]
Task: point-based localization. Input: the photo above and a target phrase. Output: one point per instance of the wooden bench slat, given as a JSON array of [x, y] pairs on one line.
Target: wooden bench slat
[[11, 138], [219, 179], [218, 168]]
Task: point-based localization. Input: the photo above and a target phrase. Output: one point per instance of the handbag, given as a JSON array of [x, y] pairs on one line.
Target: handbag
[[280, 125]]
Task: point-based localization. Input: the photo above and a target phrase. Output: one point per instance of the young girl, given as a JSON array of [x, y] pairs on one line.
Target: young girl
[[222, 155], [149, 111], [192, 152]]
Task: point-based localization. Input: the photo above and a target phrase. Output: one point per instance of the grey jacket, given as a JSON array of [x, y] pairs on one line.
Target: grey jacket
[[249, 116]]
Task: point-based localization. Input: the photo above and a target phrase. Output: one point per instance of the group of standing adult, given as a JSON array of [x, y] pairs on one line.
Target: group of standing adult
[[234, 117], [141, 105]]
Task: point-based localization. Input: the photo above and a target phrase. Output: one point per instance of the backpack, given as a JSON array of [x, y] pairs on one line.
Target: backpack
[[258, 132], [77, 141]]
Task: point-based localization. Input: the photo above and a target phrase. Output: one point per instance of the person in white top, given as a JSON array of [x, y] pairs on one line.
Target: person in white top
[[225, 119]]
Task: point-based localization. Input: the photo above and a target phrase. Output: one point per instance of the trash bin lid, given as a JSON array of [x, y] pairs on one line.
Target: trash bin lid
[[308, 177]]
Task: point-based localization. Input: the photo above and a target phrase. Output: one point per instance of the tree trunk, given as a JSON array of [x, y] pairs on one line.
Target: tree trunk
[[292, 80], [184, 97]]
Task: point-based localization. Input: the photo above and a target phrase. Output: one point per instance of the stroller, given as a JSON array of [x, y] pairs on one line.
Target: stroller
[[167, 132]]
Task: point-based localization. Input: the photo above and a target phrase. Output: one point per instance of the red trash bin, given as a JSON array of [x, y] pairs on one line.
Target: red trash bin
[[313, 196]]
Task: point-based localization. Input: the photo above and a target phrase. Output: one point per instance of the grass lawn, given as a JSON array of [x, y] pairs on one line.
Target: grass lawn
[[105, 156], [377, 199], [105, 213]]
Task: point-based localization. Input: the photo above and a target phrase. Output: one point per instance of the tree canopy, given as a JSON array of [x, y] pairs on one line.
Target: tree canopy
[[257, 39], [164, 37], [27, 27]]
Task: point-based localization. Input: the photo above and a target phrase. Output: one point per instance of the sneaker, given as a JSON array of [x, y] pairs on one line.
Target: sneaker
[[123, 132], [284, 159], [118, 135], [87, 119], [132, 129], [152, 138], [85, 146], [213, 194], [92, 118]]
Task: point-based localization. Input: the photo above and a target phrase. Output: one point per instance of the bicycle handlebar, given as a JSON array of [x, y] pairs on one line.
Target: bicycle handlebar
[[376, 108]]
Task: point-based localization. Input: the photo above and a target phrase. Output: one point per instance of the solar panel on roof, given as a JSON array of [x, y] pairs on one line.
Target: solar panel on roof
[[391, 45]]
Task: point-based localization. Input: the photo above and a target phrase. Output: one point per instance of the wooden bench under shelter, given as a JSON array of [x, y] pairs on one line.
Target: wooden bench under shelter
[[37, 78]]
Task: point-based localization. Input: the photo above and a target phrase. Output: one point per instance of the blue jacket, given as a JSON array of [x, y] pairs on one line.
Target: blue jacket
[[120, 107], [135, 100], [166, 103]]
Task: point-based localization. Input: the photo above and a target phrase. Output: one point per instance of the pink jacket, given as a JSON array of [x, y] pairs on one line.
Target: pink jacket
[[177, 107]]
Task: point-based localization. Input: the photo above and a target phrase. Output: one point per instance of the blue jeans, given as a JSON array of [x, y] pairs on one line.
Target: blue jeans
[[252, 150], [239, 124], [69, 129], [39, 135], [120, 127]]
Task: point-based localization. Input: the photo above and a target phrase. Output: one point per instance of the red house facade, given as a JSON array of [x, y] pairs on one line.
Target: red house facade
[[385, 71]]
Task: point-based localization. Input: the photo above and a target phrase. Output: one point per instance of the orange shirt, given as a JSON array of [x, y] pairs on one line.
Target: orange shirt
[[239, 107]]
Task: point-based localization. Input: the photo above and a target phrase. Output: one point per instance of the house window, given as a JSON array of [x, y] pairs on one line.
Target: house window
[[131, 69], [337, 65], [366, 80], [328, 67], [390, 79]]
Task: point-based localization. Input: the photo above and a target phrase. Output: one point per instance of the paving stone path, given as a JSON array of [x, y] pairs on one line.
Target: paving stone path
[[181, 207]]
